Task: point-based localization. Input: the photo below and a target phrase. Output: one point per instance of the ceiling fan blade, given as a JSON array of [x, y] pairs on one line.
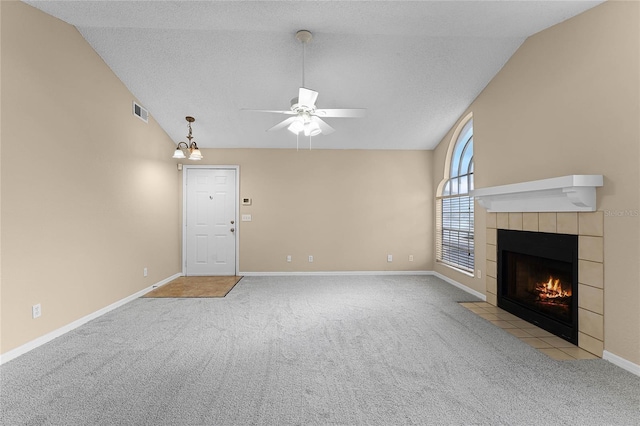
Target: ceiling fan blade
[[269, 110], [324, 127], [341, 113], [283, 124], [307, 97]]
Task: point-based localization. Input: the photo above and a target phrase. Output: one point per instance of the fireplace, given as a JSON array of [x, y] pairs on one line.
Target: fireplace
[[538, 279]]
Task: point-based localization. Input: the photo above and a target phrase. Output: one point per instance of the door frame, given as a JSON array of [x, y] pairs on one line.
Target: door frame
[[184, 211]]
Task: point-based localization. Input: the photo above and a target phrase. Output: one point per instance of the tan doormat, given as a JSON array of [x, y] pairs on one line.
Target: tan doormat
[[184, 287]]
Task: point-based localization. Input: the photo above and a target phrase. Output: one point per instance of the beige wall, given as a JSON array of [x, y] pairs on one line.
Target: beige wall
[[348, 209], [88, 190], [567, 102], [0, 184]]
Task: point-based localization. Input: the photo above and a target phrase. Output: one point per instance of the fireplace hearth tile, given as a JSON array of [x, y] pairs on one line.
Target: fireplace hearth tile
[[492, 236], [556, 354], [515, 221], [492, 285], [492, 252], [557, 342], [591, 223], [502, 220], [554, 347], [507, 317], [518, 332], [522, 324], [538, 332], [491, 220], [591, 323], [567, 223], [591, 248], [499, 311], [494, 310], [591, 273], [530, 222], [492, 298], [591, 298], [590, 344], [503, 324], [487, 316], [492, 269], [547, 222], [536, 343], [578, 353]]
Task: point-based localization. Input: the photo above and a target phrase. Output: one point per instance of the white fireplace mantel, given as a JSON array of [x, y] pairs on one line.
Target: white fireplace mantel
[[574, 193]]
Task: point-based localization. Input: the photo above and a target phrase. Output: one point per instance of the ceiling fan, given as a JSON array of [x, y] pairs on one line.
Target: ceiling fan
[[305, 116]]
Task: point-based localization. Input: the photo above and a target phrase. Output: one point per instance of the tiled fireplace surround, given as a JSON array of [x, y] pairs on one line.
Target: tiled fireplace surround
[[589, 226]]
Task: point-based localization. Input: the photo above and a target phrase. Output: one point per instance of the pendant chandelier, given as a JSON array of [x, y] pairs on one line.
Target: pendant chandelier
[[191, 146]]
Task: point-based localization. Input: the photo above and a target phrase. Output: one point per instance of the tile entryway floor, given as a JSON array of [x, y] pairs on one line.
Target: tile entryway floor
[[545, 342]]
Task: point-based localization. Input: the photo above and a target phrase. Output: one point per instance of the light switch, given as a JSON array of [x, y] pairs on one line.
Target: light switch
[[246, 218]]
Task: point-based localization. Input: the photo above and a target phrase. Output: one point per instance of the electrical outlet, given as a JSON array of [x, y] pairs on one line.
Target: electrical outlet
[[389, 258], [479, 273], [36, 311], [288, 258], [145, 272], [310, 259], [410, 258]]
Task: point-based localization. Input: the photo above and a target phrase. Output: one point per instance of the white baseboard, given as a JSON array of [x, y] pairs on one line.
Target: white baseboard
[[21, 350], [621, 362], [330, 273], [333, 273], [460, 286]]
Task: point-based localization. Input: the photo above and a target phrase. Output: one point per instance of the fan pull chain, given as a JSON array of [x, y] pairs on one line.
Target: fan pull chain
[[297, 141]]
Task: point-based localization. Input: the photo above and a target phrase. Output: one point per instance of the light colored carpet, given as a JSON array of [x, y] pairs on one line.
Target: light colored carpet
[[196, 287], [309, 351]]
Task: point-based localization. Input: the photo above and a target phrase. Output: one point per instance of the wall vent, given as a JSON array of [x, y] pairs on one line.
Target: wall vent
[[140, 112]]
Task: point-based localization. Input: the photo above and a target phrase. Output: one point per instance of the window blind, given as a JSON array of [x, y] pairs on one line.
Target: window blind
[[454, 220]]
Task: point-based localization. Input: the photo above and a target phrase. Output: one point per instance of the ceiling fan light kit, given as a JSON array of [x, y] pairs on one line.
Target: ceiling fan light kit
[[192, 147], [305, 116]]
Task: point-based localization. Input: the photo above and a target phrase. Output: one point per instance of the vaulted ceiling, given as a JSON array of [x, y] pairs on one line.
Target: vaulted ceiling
[[414, 65]]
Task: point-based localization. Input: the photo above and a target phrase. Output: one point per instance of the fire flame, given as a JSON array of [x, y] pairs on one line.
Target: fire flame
[[552, 289]]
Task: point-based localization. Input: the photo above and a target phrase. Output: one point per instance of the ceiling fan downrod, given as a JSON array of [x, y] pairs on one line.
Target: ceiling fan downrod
[[304, 37]]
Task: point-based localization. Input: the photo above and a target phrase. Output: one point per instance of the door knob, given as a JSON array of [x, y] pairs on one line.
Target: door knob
[[232, 230], [233, 221]]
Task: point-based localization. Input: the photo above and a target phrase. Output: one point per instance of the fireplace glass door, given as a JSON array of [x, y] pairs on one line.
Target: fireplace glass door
[[543, 285], [538, 279]]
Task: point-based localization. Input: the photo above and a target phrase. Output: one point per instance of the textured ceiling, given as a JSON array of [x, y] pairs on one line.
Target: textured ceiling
[[415, 66]]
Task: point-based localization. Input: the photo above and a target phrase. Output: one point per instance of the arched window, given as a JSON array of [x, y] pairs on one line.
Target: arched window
[[454, 215]]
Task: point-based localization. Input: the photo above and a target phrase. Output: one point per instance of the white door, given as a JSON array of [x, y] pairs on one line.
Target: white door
[[210, 226]]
